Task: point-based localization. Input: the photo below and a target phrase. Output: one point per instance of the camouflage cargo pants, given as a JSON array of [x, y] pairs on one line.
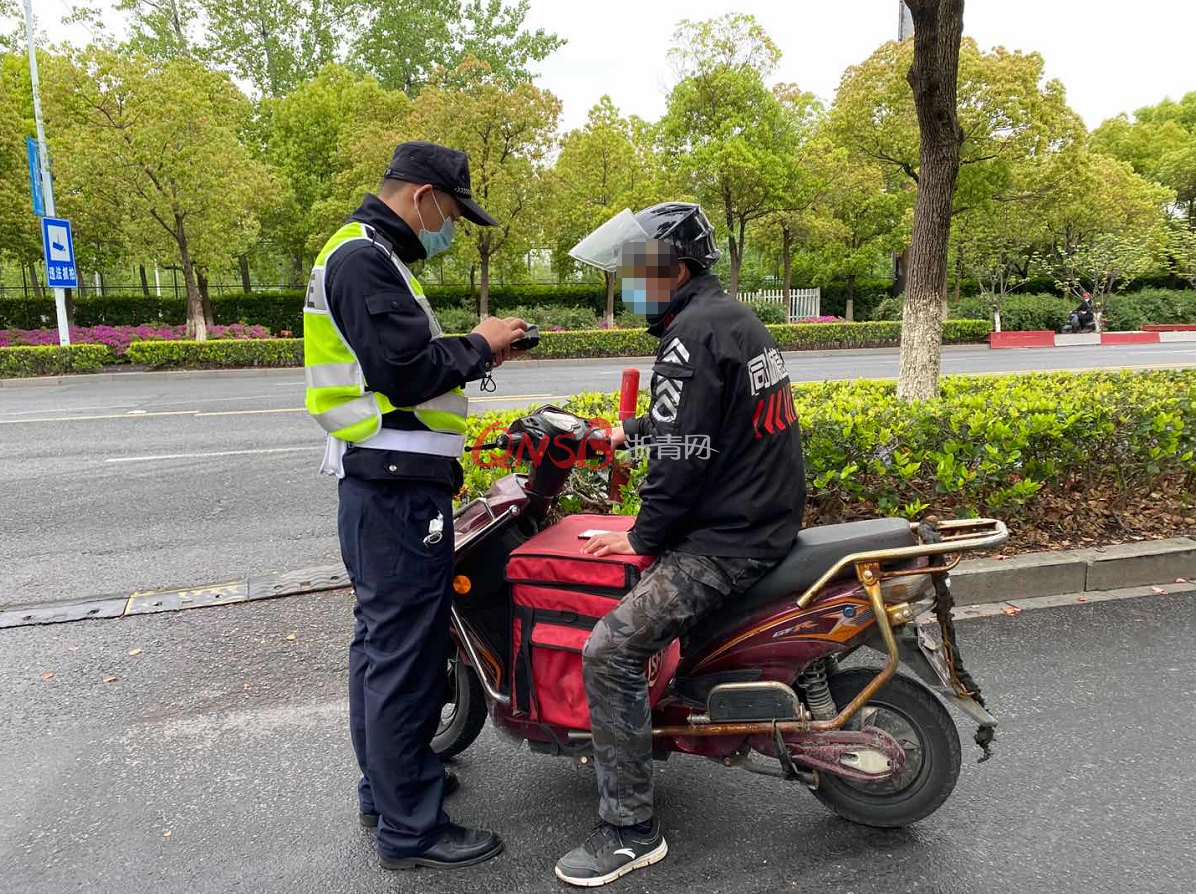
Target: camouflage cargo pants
[[676, 592]]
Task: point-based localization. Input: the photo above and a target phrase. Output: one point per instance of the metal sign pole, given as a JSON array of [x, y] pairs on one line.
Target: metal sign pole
[[64, 332]]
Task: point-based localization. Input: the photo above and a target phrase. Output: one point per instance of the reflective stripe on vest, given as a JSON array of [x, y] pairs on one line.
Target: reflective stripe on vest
[[337, 396]]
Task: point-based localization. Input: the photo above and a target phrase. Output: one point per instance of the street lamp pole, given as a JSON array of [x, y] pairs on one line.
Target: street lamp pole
[[64, 332]]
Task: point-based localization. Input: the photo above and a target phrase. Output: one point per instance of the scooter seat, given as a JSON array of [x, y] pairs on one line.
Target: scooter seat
[[815, 550]]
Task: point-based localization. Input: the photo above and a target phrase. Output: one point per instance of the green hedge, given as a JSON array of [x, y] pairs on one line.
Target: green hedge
[[789, 337], [1021, 312], [53, 360], [1056, 450], [569, 344], [217, 354]]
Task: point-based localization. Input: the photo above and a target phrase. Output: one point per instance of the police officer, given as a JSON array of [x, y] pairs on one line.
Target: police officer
[[386, 386], [721, 505]]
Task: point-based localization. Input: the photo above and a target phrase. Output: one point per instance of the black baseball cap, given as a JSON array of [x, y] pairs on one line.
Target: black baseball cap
[[445, 169]]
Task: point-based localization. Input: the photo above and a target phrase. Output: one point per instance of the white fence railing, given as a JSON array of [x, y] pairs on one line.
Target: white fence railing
[[802, 302]]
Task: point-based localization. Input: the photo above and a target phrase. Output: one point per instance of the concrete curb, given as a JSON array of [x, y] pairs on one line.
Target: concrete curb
[[1075, 571], [152, 375], [1045, 338], [977, 582]]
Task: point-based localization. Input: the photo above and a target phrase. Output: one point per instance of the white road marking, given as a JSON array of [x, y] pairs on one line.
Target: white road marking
[[145, 459]]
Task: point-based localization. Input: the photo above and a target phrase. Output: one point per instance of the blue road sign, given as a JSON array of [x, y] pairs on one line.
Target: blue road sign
[[35, 176], [60, 253]]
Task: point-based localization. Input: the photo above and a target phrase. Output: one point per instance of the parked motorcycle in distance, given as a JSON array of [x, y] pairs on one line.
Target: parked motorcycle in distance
[[1077, 322], [757, 685]]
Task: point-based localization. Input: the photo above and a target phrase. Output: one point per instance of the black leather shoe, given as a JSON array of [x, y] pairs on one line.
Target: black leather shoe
[[451, 784], [457, 846]]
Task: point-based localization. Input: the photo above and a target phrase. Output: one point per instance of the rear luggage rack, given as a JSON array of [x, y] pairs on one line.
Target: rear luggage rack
[[953, 536], [959, 535]]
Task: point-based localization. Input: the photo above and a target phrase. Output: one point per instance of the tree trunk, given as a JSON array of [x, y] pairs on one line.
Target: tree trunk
[[484, 288], [296, 270], [736, 254], [849, 309], [205, 298], [69, 300], [197, 328], [899, 273], [787, 263], [610, 300], [38, 291], [246, 285], [144, 280], [938, 27]]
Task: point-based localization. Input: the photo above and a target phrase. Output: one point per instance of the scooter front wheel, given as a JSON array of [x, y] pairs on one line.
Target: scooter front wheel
[[464, 712], [918, 721]]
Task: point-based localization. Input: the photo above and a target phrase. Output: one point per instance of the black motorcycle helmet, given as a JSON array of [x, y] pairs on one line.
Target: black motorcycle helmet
[[685, 226]]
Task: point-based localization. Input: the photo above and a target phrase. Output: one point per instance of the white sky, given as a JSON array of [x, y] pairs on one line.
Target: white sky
[[1112, 57]]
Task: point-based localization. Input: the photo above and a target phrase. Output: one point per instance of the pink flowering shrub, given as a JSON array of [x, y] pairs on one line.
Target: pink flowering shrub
[[118, 338]]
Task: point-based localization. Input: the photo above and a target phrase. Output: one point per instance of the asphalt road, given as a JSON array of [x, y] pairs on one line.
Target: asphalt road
[[140, 483], [218, 761]]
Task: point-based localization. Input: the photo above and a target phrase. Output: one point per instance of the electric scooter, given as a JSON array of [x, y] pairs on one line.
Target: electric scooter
[[759, 684]]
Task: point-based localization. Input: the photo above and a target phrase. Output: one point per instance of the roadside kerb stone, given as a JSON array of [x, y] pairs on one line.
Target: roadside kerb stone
[[1018, 577], [1142, 563], [980, 582]]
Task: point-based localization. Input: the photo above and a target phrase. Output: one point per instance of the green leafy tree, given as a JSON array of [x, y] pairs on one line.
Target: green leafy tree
[[1004, 112], [507, 134], [1105, 226], [598, 173], [804, 182], [492, 32], [1007, 112], [161, 139], [1160, 142], [162, 29], [306, 136], [728, 139], [855, 220], [1182, 247], [20, 238], [274, 44], [404, 42]]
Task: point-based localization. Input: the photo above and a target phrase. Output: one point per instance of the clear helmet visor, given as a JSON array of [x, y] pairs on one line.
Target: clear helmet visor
[[603, 248]]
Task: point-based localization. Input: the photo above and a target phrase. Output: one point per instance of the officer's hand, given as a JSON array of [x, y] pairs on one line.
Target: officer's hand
[[608, 544], [499, 334]]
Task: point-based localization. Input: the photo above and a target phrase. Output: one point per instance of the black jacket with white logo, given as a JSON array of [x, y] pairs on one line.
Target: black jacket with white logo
[[725, 471]]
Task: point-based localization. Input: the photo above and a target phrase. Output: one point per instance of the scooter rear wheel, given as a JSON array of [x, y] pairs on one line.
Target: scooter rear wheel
[[464, 712], [911, 714]]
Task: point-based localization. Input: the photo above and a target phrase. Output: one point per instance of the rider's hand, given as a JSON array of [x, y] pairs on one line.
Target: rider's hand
[[617, 437], [499, 334], [609, 544]]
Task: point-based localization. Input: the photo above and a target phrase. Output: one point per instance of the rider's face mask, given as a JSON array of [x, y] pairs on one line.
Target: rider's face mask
[[647, 272]]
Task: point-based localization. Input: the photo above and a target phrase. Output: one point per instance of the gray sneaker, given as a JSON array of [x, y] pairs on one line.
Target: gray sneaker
[[610, 853]]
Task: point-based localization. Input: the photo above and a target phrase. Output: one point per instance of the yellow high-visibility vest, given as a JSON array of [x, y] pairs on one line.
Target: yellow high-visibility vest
[[338, 397]]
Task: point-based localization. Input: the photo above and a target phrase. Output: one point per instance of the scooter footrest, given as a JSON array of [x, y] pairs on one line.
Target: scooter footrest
[[731, 702]]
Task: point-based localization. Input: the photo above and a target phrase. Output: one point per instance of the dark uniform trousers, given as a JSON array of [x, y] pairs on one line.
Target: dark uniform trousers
[[676, 592], [399, 653]]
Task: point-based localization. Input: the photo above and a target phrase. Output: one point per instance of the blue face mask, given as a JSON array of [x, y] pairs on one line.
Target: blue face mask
[[635, 296], [435, 241]]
